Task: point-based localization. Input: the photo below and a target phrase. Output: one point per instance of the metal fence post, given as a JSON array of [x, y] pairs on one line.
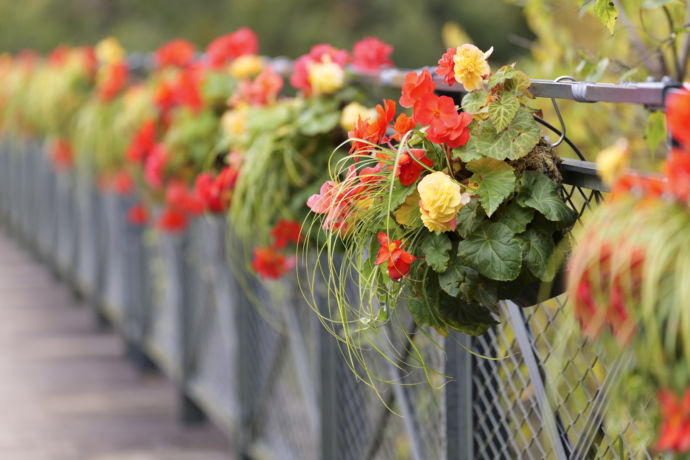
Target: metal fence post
[[329, 357], [458, 398], [190, 412]]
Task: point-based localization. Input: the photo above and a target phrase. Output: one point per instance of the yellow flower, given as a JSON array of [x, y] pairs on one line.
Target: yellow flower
[[406, 212], [234, 121], [440, 201], [109, 51], [612, 161], [471, 66], [246, 66], [352, 112], [326, 77]]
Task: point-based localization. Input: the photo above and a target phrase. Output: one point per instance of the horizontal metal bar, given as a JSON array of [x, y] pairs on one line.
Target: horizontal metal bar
[[650, 93], [582, 174]]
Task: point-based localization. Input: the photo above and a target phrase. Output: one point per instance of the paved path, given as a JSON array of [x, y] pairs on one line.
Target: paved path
[[67, 393]]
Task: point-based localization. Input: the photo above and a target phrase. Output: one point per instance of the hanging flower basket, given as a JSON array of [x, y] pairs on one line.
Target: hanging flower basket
[[437, 212]]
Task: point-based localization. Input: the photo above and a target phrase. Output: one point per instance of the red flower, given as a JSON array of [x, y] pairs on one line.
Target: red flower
[[62, 154], [216, 193], [371, 54], [677, 170], [594, 315], [269, 263], [415, 87], [115, 80], [678, 116], [164, 96], [377, 129], [137, 214], [409, 169], [180, 198], [371, 174], [398, 259], [172, 221], [446, 66], [402, 125], [58, 57], [143, 142], [123, 183], [675, 424], [155, 164], [186, 90], [337, 201], [228, 47], [360, 131], [177, 53], [435, 109], [285, 231], [262, 91], [453, 135]]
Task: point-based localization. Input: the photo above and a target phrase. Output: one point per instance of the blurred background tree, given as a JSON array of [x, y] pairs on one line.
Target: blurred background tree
[[285, 27]]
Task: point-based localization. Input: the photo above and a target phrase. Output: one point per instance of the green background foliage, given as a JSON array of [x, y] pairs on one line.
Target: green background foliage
[[285, 27]]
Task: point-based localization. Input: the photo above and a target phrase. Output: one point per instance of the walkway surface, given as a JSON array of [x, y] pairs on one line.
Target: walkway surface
[[67, 393]]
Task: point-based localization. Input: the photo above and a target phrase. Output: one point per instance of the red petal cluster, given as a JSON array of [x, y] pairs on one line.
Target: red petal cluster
[[398, 259], [176, 53], [115, 80], [286, 231], [62, 154], [678, 116], [600, 278], [371, 54], [675, 424], [262, 91], [138, 215], [337, 200], [271, 264], [155, 165], [415, 87], [179, 197], [446, 66], [143, 142], [216, 192], [171, 221], [409, 167], [228, 47]]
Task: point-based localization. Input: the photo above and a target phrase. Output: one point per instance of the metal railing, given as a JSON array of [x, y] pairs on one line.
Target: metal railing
[[272, 377], [286, 391]]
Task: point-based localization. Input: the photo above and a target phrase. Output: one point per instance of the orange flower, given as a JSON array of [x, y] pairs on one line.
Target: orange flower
[[398, 259], [415, 87]]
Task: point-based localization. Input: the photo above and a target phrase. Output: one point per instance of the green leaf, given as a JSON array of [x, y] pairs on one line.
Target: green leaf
[[514, 142], [474, 102], [493, 251], [655, 130], [425, 313], [516, 217], [503, 110], [519, 83], [501, 75], [541, 194], [466, 317], [468, 219], [496, 181], [459, 280], [469, 152], [607, 13], [536, 251], [400, 194], [436, 248]]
